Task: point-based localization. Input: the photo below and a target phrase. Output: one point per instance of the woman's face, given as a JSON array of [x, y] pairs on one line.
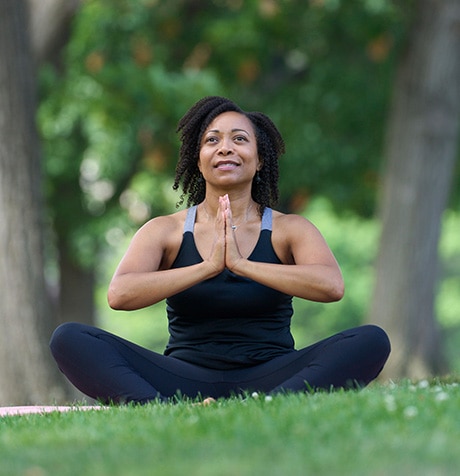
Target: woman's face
[[228, 150]]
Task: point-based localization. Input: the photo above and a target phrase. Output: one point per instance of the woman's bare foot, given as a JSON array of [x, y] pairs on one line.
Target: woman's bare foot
[[208, 401], [205, 402]]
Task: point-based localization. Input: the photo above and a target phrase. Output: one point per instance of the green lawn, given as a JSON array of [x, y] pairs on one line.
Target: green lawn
[[399, 429]]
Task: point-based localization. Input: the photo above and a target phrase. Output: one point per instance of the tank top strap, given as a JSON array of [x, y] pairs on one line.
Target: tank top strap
[[191, 216], [267, 219], [190, 219]]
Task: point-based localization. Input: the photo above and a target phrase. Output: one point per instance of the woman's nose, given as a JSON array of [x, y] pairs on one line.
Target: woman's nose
[[226, 147]]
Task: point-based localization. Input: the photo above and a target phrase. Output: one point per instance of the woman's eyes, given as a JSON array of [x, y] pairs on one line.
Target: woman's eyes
[[214, 140]]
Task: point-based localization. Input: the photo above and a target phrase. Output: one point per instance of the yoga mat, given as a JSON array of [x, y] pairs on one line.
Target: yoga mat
[[41, 409]]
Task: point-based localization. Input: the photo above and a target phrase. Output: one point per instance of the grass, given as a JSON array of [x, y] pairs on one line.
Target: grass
[[381, 430]]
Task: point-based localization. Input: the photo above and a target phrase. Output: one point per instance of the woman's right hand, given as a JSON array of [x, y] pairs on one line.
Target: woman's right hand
[[144, 276]]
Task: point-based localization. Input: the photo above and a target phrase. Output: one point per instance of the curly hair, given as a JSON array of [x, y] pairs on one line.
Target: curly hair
[[270, 146]]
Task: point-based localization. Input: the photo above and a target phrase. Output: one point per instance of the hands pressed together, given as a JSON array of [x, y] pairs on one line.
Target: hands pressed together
[[316, 276], [224, 252]]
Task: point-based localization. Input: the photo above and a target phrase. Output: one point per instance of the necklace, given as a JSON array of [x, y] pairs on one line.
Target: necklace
[[234, 227]]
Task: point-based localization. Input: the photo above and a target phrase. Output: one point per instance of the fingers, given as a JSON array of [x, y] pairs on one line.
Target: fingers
[[224, 251], [217, 251], [232, 252], [226, 209]]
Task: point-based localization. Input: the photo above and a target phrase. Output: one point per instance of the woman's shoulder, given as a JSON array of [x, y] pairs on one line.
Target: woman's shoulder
[[294, 236], [291, 227], [165, 225], [289, 220], [161, 234]]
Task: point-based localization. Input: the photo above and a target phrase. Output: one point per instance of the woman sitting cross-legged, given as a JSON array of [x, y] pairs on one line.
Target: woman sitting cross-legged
[[228, 267]]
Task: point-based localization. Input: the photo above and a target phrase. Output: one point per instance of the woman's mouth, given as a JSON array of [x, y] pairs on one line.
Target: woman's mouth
[[226, 165]]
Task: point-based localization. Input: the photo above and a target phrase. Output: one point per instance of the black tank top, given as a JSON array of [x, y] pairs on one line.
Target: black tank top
[[228, 321]]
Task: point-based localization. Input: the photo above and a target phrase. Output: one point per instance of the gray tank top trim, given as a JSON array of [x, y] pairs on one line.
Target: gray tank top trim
[[191, 216], [190, 219]]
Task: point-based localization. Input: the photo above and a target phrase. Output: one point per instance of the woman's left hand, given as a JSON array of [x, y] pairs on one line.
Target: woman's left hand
[[312, 273]]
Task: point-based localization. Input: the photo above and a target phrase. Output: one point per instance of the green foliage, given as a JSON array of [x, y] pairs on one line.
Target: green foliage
[[395, 429], [321, 69]]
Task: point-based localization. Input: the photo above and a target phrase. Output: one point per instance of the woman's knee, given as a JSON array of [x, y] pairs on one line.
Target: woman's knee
[[378, 338], [64, 335]]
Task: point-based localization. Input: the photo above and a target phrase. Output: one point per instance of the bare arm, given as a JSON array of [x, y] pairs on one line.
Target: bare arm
[[311, 271], [314, 282], [143, 278]]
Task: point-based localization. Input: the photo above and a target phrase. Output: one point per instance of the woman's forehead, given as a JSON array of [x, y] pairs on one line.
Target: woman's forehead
[[230, 120]]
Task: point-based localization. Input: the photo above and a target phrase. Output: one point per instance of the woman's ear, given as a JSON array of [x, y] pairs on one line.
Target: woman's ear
[[260, 164]]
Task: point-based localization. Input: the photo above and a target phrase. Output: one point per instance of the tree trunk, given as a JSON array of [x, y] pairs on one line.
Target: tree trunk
[[76, 296], [27, 372], [50, 27], [420, 157]]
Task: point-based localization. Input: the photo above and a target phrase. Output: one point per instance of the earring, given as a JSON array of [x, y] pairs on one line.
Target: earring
[[257, 179]]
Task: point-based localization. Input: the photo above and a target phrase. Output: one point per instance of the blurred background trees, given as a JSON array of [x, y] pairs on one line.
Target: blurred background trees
[[116, 76], [27, 373], [420, 157], [133, 68]]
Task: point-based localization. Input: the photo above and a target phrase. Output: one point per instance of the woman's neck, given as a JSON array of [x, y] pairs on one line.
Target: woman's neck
[[243, 207]]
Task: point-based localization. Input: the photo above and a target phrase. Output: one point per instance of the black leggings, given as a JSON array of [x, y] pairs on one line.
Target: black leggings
[[112, 369]]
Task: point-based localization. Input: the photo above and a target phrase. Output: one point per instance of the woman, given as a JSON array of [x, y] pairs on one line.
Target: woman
[[228, 267]]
